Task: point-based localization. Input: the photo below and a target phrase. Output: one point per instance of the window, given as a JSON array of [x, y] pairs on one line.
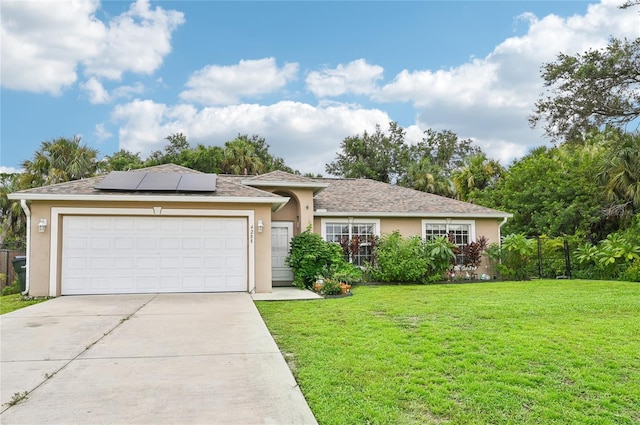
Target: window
[[354, 236], [460, 232]]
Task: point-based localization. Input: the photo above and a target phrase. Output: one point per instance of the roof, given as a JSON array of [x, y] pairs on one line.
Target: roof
[[227, 190], [332, 197], [283, 179], [360, 197]]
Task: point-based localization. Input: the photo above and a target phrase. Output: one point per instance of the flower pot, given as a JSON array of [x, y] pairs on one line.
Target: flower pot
[[318, 286], [344, 288]]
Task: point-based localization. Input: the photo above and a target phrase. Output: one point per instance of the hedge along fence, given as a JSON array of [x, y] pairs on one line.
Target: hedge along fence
[[6, 265]]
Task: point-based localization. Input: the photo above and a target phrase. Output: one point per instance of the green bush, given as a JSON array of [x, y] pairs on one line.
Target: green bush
[[411, 259], [13, 289], [331, 287], [310, 256], [632, 273]]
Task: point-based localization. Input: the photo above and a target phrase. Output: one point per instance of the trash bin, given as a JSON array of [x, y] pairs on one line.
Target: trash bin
[[20, 266]]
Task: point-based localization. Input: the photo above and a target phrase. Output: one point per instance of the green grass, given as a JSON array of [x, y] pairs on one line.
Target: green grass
[[492, 353], [9, 303]]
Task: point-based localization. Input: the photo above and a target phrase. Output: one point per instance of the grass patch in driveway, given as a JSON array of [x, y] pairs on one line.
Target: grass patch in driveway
[[9, 303], [508, 352]]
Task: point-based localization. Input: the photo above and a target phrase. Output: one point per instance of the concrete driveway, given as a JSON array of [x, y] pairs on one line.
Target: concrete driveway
[[137, 359]]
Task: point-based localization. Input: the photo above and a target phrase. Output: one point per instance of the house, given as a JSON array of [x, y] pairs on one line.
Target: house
[[172, 229]]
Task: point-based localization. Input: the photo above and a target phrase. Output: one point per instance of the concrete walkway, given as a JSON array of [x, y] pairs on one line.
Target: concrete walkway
[[145, 359]]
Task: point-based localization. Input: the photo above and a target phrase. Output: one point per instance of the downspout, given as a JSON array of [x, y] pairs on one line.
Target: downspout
[[504, 221], [27, 212]]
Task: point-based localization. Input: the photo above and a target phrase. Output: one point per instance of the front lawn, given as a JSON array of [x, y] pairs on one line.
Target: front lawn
[[9, 303], [517, 352]]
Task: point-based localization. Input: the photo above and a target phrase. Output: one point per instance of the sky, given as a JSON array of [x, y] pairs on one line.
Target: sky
[[303, 75]]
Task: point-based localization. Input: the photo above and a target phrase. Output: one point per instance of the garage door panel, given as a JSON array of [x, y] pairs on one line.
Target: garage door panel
[[123, 254]]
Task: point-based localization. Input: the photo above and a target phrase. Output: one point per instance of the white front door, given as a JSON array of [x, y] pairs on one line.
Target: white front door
[[129, 254], [281, 234]]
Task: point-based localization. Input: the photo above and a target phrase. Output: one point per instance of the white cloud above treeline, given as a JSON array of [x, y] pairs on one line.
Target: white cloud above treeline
[[48, 48], [47, 44]]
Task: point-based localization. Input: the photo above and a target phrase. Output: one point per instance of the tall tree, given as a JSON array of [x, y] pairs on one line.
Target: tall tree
[[240, 158], [12, 220], [123, 160], [261, 148], [552, 191], [444, 148], [477, 173], [620, 170], [427, 176], [59, 160], [589, 90], [380, 156]]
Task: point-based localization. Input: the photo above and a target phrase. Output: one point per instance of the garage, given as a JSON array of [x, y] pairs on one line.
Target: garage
[[151, 254]]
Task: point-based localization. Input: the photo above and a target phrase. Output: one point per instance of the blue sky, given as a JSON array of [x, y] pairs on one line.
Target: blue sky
[[303, 75]]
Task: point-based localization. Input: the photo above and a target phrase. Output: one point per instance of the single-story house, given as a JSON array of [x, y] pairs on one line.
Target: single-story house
[[172, 229]]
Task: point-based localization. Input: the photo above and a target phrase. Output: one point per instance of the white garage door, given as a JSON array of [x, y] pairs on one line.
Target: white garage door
[[122, 254]]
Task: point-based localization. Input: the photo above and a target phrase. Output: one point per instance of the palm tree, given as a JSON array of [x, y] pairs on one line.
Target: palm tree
[[429, 177], [240, 158], [59, 161], [12, 221], [620, 171], [478, 173]]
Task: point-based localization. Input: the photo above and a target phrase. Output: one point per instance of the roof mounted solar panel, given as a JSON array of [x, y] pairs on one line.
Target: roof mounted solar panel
[[160, 182], [121, 180], [197, 183]]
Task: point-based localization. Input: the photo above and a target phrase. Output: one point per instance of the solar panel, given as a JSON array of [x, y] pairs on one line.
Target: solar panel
[[121, 180], [197, 183], [160, 181], [169, 182]]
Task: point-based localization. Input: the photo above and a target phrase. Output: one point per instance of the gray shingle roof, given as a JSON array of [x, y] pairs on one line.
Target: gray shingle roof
[[337, 196], [225, 187], [370, 196]]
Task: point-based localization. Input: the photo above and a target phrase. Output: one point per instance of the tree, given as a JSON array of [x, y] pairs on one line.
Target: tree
[[178, 144], [240, 158], [379, 156], [478, 173], [261, 148], [444, 148], [426, 176], [589, 90], [57, 161], [12, 220], [123, 160], [620, 171], [552, 191]]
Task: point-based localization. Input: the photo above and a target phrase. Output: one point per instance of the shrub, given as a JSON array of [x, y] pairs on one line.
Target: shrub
[[310, 255], [331, 287], [411, 259], [516, 254], [13, 289]]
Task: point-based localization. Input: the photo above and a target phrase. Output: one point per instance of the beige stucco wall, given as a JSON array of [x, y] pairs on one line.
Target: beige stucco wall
[[299, 209], [39, 256]]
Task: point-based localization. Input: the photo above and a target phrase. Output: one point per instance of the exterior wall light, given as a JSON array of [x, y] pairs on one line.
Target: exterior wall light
[[42, 225], [260, 226]]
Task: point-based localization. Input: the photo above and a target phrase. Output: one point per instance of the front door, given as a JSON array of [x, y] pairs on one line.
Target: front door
[[281, 234]]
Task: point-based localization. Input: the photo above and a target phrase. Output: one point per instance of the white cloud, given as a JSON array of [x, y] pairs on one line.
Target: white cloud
[[135, 41], [95, 90], [306, 136], [489, 99], [10, 170], [45, 44], [357, 77], [101, 132], [225, 85]]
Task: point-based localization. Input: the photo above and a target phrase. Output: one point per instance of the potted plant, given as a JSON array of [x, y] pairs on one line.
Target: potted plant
[[319, 283]]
